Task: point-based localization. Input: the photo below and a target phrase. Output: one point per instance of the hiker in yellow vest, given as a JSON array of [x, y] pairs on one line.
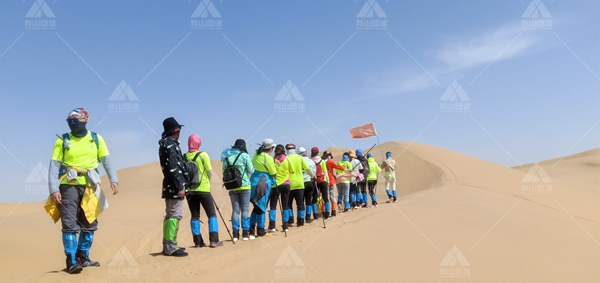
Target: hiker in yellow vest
[[281, 192], [199, 195], [372, 178], [343, 185], [73, 168], [296, 185]]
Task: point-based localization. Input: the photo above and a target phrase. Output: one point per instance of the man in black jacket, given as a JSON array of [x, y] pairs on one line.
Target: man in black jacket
[[174, 184]]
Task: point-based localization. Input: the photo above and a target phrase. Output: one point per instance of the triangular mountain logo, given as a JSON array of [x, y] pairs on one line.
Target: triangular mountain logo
[[289, 256], [288, 91], [39, 8], [454, 90], [454, 257], [535, 9], [536, 174], [371, 8], [205, 8], [123, 91], [123, 255], [39, 174]]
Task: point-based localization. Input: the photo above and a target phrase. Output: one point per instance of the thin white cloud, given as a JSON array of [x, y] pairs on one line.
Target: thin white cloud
[[483, 49]]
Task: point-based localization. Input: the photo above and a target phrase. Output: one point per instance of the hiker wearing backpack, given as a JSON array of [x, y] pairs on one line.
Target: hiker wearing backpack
[[310, 190], [372, 178], [198, 195], [322, 178], [362, 197], [333, 192], [237, 168], [262, 180], [389, 167], [296, 185], [72, 171], [343, 185], [354, 179], [280, 193], [174, 184]]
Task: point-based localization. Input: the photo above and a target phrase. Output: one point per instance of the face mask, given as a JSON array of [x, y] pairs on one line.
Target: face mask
[[78, 129], [345, 158]]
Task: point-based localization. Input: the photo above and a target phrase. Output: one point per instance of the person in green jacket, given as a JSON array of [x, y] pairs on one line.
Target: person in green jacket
[[296, 185], [240, 197], [284, 169], [261, 182], [200, 195], [343, 184], [372, 178]]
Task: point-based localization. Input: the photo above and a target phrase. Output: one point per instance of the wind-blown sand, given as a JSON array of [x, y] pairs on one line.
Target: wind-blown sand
[[504, 228]]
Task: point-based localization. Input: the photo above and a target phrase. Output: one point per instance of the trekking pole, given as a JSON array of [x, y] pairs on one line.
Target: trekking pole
[[224, 223], [282, 221], [323, 206]]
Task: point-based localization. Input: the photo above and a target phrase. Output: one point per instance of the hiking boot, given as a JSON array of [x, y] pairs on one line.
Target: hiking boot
[[74, 268], [333, 213], [246, 236], [272, 226], [290, 221], [216, 244], [326, 215], [389, 200], [346, 210], [308, 220], [284, 226], [375, 204], [253, 230], [300, 222], [84, 260], [178, 253], [317, 215], [395, 200], [236, 235]]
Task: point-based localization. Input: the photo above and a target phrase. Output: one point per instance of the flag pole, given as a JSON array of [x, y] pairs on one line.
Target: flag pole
[[377, 136]]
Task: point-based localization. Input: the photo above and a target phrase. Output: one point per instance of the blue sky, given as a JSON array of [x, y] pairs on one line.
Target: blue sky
[[533, 91]]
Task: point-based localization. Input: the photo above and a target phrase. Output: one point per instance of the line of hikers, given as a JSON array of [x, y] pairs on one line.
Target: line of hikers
[[77, 200], [266, 181]]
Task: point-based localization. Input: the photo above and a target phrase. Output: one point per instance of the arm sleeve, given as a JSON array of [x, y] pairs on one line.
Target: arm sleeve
[[110, 169], [53, 171], [334, 165], [249, 167], [207, 165]]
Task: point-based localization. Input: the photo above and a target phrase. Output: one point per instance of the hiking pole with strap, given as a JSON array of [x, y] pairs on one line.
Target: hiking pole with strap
[[281, 206], [217, 207]]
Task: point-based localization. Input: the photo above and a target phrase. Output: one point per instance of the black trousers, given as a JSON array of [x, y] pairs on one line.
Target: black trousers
[[284, 191], [372, 184], [204, 200], [310, 194], [297, 195], [323, 186]]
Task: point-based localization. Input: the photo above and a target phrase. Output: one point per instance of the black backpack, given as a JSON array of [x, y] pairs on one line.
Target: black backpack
[[365, 164], [232, 177], [192, 170]]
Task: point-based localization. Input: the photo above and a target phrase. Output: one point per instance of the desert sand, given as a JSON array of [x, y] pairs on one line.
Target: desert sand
[[458, 219]]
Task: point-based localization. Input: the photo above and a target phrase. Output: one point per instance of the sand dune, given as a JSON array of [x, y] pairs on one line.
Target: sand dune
[[502, 230]]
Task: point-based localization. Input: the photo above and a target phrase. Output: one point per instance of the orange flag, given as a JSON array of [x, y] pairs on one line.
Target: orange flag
[[364, 131]]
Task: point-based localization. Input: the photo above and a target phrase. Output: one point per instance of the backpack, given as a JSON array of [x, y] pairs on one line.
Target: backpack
[[192, 170], [365, 165], [232, 177], [320, 175]]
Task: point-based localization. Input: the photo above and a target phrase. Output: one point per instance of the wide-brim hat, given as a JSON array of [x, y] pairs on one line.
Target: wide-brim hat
[[352, 153], [169, 125]]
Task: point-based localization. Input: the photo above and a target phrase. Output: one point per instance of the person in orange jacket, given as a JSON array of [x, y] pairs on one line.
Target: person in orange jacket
[[331, 165]]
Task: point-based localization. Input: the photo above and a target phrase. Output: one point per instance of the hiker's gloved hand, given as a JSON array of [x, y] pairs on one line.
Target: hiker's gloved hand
[[57, 198], [115, 188]]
